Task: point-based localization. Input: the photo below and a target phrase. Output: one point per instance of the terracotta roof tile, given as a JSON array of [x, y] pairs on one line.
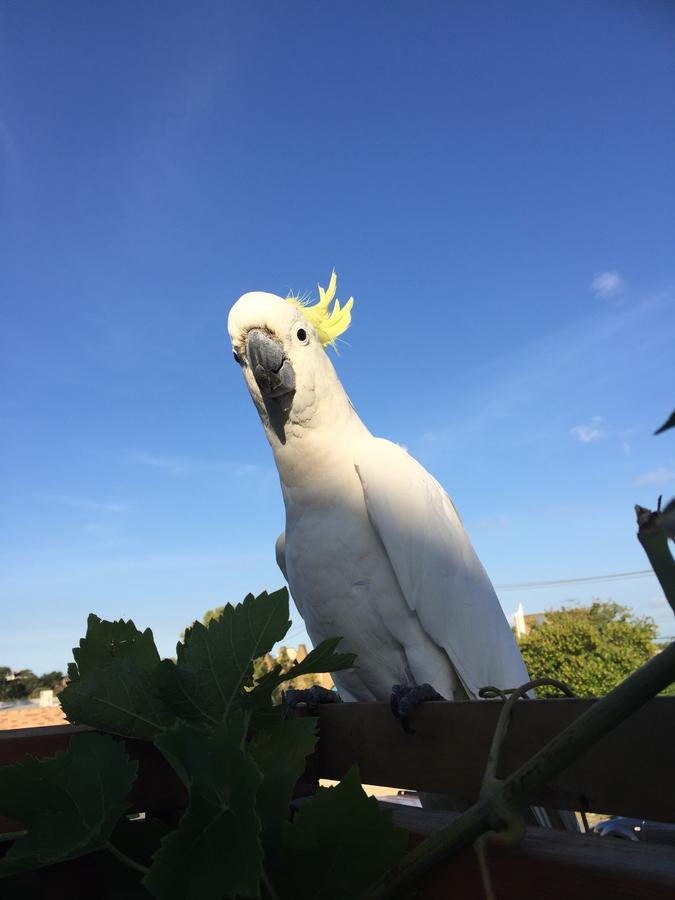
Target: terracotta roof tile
[[31, 717]]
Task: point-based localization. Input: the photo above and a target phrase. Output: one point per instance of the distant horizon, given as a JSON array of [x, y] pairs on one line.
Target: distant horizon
[[307, 642]]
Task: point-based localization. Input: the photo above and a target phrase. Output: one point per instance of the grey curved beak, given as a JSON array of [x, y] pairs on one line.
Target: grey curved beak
[[272, 371]]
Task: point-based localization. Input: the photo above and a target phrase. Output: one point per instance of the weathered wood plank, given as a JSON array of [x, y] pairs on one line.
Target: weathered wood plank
[[44, 741], [629, 772], [548, 865]]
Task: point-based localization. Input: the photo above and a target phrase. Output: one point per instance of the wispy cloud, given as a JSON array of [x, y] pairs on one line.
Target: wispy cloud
[[556, 367], [178, 467], [494, 523], [170, 465], [655, 476], [82, 502], [589, 433], [569, 510], [608, 284]]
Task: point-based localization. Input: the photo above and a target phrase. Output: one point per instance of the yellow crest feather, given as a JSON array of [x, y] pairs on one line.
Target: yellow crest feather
[[328, 325]]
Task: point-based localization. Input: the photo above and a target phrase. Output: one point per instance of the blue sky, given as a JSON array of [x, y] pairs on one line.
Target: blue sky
[[493, 183]]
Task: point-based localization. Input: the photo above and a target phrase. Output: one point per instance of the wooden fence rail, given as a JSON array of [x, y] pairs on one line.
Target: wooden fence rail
[[629, 772]]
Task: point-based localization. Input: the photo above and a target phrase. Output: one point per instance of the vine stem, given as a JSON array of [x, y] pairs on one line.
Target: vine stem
[[515, 791], [653, 535], [127, 860], [269, 887]]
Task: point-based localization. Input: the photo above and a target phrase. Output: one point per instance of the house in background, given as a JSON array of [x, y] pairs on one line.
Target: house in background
[[297, 655], [522, 624]]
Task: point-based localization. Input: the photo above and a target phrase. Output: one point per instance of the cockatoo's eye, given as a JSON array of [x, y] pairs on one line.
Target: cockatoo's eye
[[301, 335]]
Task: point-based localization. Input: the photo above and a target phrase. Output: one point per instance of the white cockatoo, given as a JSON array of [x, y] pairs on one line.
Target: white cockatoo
[[374, 549]]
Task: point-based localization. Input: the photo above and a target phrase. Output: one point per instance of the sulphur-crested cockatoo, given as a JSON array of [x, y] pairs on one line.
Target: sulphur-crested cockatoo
[[374, 549]]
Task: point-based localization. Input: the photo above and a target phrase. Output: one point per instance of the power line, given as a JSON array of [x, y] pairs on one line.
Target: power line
[[589, 579]]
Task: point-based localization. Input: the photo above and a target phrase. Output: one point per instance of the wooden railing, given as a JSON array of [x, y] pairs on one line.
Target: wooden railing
[[629, 772]]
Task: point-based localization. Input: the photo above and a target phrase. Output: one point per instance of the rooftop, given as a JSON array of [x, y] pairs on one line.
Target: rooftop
[[31, 717]]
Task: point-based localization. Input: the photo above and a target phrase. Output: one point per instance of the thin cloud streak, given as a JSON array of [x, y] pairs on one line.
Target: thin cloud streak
[[501, 388], [178, 467], [655, 476], [82, 503], [494, 523]]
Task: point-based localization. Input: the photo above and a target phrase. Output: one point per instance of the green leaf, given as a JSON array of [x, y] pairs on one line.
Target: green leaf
[[216, 849], [69, 802], [107, 642], [180, 693], [669, 423], [321, 659], [339, 842], [280, 754], [215, 663], [121, 698], [112, 686], [139, 838]]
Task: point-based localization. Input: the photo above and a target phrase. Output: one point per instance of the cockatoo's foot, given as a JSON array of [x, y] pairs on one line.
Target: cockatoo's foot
[[405, 700], [311, 696]]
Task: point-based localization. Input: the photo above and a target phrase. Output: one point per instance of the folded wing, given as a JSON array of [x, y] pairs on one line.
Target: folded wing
[[437, 569]]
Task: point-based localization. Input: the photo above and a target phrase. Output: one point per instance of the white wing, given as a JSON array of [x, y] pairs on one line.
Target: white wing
[[280, 553], [437, 569]]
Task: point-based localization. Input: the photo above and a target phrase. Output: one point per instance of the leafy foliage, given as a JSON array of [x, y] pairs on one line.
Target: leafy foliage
[[212, 716], [321, 659], [338, 844], [113, 685], [590, 648], [297, 674], [109, 642], [215, 663], [121, 698], [280, 752], [70, 803], [219, 832]]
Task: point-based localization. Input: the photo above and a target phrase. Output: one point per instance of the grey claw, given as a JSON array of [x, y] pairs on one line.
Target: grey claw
[[404, 701], [313, 697]]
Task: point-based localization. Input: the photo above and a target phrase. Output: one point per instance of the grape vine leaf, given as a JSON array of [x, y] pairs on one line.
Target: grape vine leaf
[[216, 849], [106, 642], [339, 842], [139, 838], [121, 698], [215, 662], [280, 754], [70, 802], [322, 658]]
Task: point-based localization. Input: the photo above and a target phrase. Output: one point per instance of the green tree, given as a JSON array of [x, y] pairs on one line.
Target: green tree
[[212, 614], [52, 681], [590, 648], [26, 684], [20, 687]]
